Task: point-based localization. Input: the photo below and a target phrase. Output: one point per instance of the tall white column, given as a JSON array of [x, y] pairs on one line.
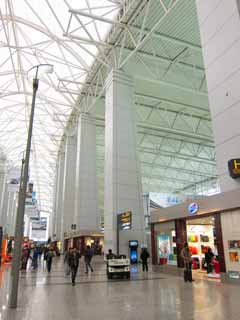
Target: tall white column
[[12, 213], [10, 209], [219, 23], [123, 187], [4, 207], [2, 183], [54, 216], [69, 183], [2, 189], [86, 213], [59, 196]]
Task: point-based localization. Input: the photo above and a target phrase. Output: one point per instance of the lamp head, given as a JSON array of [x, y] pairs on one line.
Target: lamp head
[[37, 71]]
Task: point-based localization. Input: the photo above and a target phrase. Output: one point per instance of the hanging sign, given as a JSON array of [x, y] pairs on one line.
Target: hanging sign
[[125, 220], [234, 168]]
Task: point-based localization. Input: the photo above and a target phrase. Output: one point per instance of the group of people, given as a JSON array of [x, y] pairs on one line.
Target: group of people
[[35, 255], [187, 258], [71, 259]]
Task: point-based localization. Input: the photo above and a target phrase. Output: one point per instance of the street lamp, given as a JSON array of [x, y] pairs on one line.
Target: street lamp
[[41, 68]]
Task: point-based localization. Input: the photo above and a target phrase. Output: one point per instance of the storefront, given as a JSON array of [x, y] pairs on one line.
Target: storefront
[[82, 240], [207, 222], [166, 243]]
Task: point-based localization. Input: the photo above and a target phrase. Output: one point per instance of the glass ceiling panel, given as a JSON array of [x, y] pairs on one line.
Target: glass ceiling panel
[[32, 33]]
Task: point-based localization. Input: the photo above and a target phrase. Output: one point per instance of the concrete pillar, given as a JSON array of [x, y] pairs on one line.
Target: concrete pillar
[[59, 198], [69, 183], [2, 191], [4, 207], [86, 213], [123, 188], [219, 23], [26, 226], [10, 209], [53, 217], [2, 184], [12, 213]]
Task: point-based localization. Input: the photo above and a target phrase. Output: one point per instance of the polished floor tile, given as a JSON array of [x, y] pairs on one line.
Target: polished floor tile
[[146, 296]]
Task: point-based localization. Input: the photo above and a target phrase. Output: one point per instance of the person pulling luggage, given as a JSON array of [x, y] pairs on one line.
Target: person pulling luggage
[[187, 258]]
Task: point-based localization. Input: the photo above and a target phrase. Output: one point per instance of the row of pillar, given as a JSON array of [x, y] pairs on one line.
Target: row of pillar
[[76, 191], [8, 202], [76, 181]]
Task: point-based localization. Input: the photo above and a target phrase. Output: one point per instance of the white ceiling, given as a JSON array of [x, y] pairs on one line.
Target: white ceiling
[[157, 41]]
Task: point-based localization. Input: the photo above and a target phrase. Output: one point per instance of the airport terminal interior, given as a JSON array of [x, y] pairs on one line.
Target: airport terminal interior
[[119, 159]]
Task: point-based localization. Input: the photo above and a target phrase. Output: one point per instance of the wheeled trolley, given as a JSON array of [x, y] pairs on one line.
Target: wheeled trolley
[[118, 268]]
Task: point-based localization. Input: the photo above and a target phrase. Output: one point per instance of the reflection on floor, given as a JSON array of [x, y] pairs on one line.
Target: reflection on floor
[[151, 295], [201, 274]]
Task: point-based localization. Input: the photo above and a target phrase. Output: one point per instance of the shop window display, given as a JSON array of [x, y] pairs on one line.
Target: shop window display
[[167, 248], [200, 238]]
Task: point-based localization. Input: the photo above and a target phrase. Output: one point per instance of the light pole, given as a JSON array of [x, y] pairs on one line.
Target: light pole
[[22, 195]]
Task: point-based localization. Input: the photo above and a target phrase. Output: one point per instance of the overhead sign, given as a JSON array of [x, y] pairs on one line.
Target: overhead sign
[[234, 168], [125, 220], [193, 208]]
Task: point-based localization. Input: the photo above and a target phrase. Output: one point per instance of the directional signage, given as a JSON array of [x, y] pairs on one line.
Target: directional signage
[[125, 220], [234, 168]]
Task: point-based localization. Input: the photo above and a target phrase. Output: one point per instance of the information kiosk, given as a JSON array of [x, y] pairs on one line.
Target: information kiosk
[[133, 245]]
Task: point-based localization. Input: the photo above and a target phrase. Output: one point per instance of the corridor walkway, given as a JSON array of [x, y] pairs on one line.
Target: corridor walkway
[[151, 296]]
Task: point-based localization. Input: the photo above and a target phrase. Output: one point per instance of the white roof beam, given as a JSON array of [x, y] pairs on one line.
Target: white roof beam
[[142, 126], [140, 52], [178, 155], [172, 102], [179, 170], [156, 35]]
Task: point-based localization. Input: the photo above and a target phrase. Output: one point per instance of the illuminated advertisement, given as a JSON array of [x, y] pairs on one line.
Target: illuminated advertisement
[[234, 168], [125, 220]]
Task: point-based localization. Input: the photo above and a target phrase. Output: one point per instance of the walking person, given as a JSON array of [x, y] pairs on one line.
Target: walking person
[[88, 254], [49, 258], [187, 258], [40, 251], [144, 257], [24, 258], [208, 259], [73, 261], [45, 251], [35, 258], [66, 262]]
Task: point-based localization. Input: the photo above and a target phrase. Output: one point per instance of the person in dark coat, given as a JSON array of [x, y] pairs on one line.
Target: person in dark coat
[[187, 258], [144, 257], [110, 255], [35, 258], [88, 254], [208, 259], [73, 262], [49, 258], [24, 258]]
